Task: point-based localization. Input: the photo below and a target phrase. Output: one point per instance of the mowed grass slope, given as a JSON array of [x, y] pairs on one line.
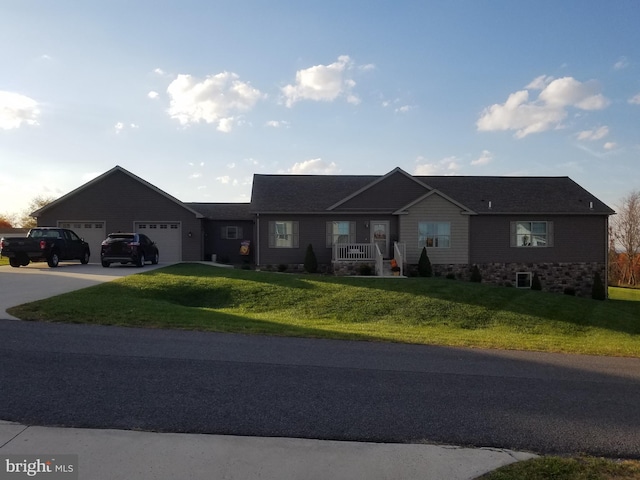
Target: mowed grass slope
[[414, 310]]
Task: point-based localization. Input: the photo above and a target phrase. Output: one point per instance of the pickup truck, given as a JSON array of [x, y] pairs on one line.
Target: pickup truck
[[48, 244]]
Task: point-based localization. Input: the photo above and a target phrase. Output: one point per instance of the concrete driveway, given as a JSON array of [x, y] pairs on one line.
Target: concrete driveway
[[37, 281]]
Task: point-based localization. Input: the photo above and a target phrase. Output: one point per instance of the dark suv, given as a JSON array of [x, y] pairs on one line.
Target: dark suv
[[124, 248]]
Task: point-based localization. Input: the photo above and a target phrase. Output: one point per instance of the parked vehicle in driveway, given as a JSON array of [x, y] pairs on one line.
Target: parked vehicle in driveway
[[124, 248], [50, 244]]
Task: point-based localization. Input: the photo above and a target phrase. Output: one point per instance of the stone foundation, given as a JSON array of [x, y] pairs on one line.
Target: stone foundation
[[554, 277], [353, 268]]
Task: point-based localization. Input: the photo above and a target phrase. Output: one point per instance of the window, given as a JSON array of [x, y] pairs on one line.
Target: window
[[523, 279], [231, 232], [341, 232], [434, 234], [532, 234], [283, 234]]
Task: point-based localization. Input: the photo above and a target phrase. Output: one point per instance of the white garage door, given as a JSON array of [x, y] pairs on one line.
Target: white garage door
[[168, 237], [93, 233]]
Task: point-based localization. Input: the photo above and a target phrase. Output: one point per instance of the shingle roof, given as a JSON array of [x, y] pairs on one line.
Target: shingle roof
[[303, 193], [223, 211], [316, 193]]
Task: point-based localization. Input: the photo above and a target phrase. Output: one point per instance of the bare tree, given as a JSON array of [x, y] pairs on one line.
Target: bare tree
[[26, 220], [626, 230]]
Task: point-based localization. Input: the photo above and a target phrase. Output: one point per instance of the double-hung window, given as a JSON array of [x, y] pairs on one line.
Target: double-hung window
[[341, 232], [231, 232], [531, 234], [434, 234], [283, 234]]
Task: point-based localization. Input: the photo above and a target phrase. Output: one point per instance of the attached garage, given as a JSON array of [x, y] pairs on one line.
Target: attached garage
[[92, 231], [119, 201], [166, 235]]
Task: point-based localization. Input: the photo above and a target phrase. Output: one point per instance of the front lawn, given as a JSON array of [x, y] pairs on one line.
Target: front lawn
[[413, 310]]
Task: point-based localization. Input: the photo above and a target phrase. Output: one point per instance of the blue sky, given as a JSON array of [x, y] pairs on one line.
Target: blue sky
[[195, 97]]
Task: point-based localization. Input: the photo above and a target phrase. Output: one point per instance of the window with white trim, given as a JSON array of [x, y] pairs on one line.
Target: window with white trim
[[340, 232], [283, 234], [434, 234], [531, 234], [523, 280], [231, 232]]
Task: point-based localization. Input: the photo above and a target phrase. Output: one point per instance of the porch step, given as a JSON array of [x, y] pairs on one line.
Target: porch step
[[386, 269]]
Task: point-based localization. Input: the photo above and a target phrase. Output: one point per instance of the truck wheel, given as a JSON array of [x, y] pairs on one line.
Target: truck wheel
[[140, 260], [85, 257], [53, 260], [14, 262]]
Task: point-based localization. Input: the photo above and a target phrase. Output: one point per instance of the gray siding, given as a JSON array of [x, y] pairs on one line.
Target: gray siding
[[576, 238], [214, 243], [390, 194], [436, 209], [312, 230], [119, 200]]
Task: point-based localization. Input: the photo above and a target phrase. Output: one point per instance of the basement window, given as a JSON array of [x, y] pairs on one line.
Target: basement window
[[523, 279]]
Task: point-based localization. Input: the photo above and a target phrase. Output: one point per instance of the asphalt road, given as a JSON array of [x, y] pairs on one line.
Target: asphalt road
[[175, 381]]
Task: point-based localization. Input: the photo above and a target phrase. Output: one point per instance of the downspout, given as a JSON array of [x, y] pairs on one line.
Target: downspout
[[257, 240], [606, 258]]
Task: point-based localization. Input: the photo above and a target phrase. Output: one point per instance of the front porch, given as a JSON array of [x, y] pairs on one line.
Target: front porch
[[370, 253]]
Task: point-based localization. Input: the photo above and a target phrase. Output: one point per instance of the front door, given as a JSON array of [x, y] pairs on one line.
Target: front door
[[380, 236]]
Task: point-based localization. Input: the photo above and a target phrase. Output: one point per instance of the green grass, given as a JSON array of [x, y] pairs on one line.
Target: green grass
[[413, 310], [559, 468], [4, 261]]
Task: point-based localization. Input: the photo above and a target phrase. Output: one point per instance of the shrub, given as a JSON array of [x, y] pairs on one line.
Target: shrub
[[424, 264], [365, 269], [475, 274], [570, 291], [598, 291], [282, 267], [451, 276], [310, 261], [535, 282]]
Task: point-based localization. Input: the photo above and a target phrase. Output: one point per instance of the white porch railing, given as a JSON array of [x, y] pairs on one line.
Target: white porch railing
[[349, 252], [399, 253], [379, 262]]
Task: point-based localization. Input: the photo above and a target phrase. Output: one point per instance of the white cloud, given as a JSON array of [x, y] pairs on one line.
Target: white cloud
[[610, 145], [277, 123], [158, 71], [119, 127], [594, 134], [195, 175], [17, 109], [404, 109], [484, 159], [322, 83], [153, 95], [621, 63], [446, 166], [227, 180], [540, 83], [547, 111], [217, 99], [315, 166], [635, 100]]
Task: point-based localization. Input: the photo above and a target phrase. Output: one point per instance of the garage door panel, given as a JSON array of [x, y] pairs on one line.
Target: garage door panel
[[92, 231], [167, 235]]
